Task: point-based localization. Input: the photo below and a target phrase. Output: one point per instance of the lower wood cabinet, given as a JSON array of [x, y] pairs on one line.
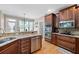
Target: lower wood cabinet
[[25, 45], [69, 43], [54, 39], [66, 45], [22, 46], [30, 44], [11, 48], [77, 45]]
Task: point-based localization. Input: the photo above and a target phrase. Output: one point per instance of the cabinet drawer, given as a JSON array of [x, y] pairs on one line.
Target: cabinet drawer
[[25, 51], [25, 41], [24, 46], [37, 37], [66, 45], [67, 39]]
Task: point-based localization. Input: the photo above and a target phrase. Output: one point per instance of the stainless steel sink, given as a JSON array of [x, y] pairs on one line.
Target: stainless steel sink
[[2, 41], [7, 39]]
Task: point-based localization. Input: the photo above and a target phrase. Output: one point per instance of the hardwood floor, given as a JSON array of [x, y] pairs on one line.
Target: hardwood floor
[[48, 48]]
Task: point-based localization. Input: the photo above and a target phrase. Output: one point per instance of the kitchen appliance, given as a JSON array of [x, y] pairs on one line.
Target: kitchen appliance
[[48, 31], [35, 44], [67, 24], [50, 26]]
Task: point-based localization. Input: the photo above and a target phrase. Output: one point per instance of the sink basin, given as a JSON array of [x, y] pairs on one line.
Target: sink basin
[[2, 41], [7, 39]]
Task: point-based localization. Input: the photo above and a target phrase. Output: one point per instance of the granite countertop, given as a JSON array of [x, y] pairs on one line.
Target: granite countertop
[[74, 36], [17, 38]]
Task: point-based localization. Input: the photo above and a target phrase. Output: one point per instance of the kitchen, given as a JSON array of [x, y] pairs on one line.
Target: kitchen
[[53, 33]]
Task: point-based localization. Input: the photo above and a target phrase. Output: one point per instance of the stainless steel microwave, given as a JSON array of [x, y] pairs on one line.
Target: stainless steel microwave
[[67, 24]]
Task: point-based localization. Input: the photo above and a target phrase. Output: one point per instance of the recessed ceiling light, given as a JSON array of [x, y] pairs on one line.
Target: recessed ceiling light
[[50, 10]]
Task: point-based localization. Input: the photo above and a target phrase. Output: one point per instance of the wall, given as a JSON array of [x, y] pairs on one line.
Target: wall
[[1, 22], [41, 26], [36, 25]]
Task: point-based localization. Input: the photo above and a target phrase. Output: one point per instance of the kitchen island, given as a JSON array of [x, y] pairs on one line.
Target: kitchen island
[[21, 44]]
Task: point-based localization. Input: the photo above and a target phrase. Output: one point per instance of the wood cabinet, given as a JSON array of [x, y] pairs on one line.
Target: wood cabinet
[[57, 20], [77, 45], [50, 26], [72, 13], [54, 39], [63, 15], [22, 46], [30, 44], [66, 42], [48, 19], [11, 48], [25, 45], [77, 18], [68, 13]]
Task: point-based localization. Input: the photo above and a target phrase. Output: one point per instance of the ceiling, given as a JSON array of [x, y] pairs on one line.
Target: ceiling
[[31, 10]]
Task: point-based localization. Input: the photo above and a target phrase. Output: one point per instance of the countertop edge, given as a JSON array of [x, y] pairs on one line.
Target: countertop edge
[[18, 38]]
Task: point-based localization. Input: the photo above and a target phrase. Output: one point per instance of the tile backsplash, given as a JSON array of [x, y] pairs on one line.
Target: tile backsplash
[[72, 31]]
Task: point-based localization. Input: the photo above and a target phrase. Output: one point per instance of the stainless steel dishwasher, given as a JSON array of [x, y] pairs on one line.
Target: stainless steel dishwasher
[[35, 44]]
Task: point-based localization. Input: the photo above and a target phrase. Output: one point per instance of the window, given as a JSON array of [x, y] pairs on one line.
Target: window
[[11, 25], [26, 25], [31, 25], [21, 25]]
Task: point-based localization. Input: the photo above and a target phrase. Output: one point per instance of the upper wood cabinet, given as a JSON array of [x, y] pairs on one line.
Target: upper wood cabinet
[[57, 20], [71, 13], [49, 19], [77, 18], [63, 15], [68, 13]]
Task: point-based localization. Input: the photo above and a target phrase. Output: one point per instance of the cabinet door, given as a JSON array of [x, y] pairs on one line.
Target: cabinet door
[[71, 13], [66, 42], [48, 19], [66, 45], [63, 15], [54, 39], [77, 18], [77, 45], [68, 14], [25, 46], [11, 49]]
